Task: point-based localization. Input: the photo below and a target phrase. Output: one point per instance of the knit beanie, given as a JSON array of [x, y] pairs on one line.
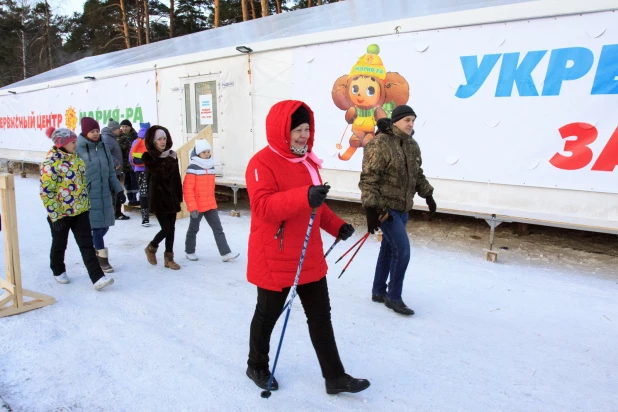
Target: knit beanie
[[300, 116], [143, 128], [89, 124], [160, 134], [201, 145], [402, 111], [126, 122], [61, 137], [370, 64], [113, 125]]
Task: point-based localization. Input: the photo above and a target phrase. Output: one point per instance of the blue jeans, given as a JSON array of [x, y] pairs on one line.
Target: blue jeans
[[393, 258], [97, 237]]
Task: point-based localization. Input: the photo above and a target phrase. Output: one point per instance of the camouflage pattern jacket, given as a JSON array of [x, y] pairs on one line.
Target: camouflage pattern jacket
[[125, 141], [392, 171]]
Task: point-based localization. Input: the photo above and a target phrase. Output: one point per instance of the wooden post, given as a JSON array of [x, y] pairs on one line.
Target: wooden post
[[12, 302], [183, 160]]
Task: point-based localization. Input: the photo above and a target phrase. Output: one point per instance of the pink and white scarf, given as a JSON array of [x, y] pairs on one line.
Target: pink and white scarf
[[315, 178]]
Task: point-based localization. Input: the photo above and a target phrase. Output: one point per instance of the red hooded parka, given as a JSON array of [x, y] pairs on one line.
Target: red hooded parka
[[278, 194]]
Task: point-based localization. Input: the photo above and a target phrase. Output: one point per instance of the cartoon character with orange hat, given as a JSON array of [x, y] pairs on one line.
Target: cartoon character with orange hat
[[368, 94]]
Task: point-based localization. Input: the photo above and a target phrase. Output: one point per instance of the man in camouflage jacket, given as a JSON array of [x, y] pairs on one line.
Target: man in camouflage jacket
[[391, 176], [127, 136]]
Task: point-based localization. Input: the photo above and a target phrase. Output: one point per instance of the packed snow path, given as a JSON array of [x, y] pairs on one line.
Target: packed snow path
[[513, 336]]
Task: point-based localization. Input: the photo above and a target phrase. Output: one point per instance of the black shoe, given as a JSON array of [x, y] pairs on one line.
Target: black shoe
[[122, 217], [261, 377], [398, 306], [346, 384], [145, 222], [377, 298]]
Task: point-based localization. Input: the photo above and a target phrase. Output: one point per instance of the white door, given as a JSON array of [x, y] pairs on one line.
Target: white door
[[201, 99]]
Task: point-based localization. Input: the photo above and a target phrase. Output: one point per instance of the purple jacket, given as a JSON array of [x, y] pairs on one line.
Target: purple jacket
[[136, 168], [142, 132]]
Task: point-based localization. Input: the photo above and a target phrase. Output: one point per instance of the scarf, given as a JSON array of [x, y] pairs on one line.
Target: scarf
[[315, 178], [199, 166], [167, 153]]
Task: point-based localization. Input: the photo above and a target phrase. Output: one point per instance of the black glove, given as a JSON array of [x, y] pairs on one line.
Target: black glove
[[431, 204], [373, 219], [122, 198], [194, 214], [317, 195], [58, 225], [345, 231]]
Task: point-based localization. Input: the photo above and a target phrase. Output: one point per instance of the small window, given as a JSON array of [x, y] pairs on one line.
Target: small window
[[206, 105]]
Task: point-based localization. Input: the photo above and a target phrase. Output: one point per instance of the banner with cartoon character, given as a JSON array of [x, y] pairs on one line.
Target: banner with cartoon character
[[529, 103], [25, 116]]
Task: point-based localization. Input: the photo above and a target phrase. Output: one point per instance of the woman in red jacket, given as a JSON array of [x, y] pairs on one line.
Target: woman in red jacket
[[284, 185]]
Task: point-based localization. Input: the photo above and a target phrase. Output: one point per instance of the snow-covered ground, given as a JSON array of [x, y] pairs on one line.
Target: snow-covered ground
[[536, 332]]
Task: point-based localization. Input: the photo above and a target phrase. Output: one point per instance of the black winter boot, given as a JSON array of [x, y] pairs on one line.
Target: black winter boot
[[145, 218], [377, 298], [261, 377], [398, 306], [346, 383]]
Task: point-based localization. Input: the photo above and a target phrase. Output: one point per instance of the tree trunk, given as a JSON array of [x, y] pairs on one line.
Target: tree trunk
[[217, 15], [253, 9], [278, 6], [147, 15], [47, 37], [245, 10], [308, 3], [171, 18], [23, 52], [125, 25], [138, 21], [319, 2], [264, 8]]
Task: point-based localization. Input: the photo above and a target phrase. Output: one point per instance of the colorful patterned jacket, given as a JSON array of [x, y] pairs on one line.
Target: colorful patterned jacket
[[63, 185]]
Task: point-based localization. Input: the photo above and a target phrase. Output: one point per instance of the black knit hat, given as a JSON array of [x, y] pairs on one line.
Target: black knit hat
[[300, 116], [402, 111], [126, 122]]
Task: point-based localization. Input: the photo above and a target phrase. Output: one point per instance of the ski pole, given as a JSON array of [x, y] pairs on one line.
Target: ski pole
[[362, 242], [333, 246], [327, 253], [365, 236], [352, 258], [266, 393]]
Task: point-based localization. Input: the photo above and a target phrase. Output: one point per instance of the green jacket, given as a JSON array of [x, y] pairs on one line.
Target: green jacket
[[392, 171]]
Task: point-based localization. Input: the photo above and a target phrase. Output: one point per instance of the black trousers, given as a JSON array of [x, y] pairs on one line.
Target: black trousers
[[142, 178], [316, 302], [118, 205], [131, 185], [168, 228], [80, 226]]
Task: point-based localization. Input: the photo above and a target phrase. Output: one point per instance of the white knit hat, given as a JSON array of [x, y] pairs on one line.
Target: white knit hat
[[201, 145]]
